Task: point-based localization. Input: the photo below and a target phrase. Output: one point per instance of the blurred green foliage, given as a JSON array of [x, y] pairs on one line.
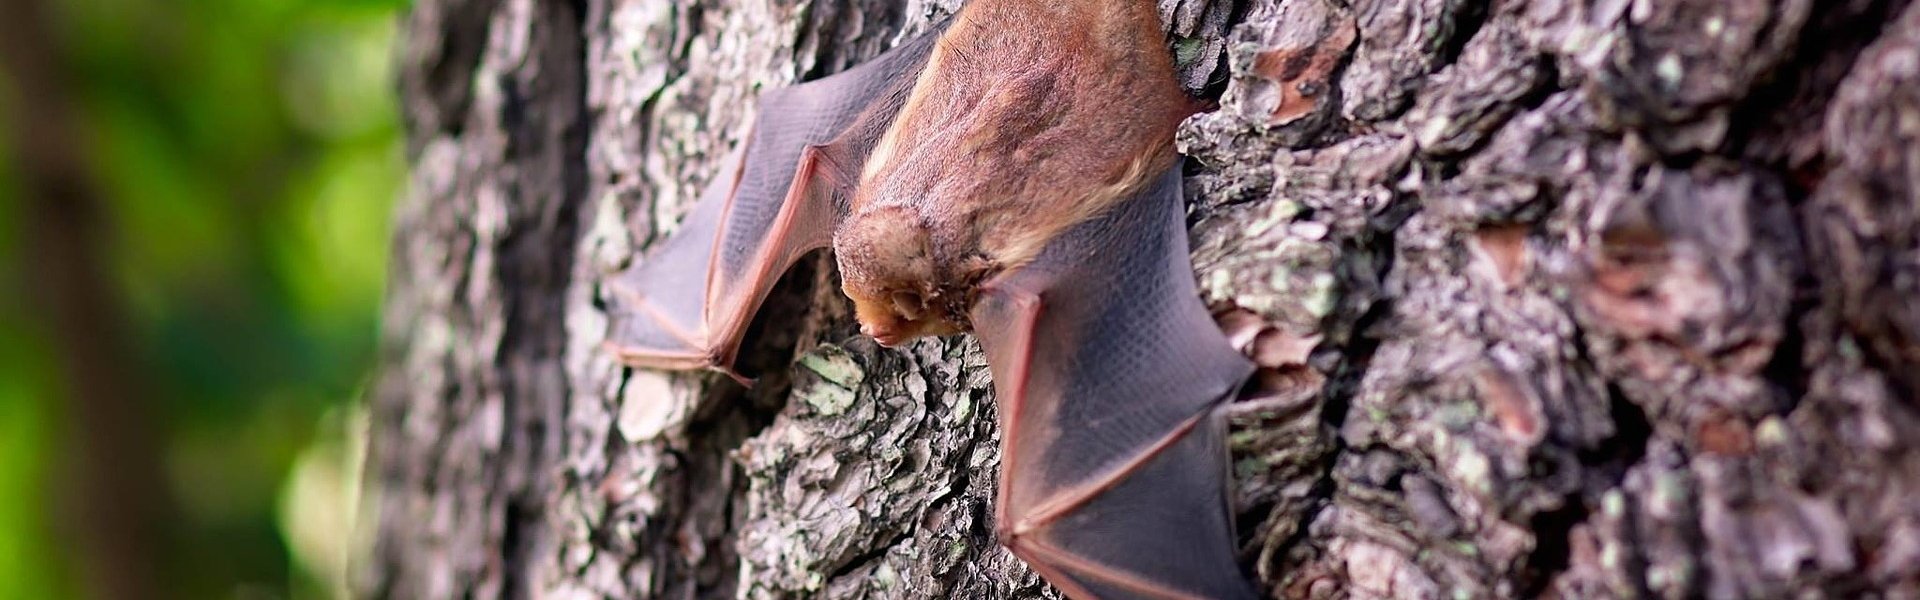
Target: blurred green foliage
[[250, 152]]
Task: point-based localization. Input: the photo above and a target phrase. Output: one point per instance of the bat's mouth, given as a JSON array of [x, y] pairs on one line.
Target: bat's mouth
[[887, 337]]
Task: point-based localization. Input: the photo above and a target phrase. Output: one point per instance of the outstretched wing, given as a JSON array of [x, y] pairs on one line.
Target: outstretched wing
[[687, 304], [1108, 367]]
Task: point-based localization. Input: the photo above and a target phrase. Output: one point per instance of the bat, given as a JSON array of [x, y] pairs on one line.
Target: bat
[[1010, 173]]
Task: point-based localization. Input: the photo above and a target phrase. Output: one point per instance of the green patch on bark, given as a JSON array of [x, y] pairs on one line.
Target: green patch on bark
[[835, 367]]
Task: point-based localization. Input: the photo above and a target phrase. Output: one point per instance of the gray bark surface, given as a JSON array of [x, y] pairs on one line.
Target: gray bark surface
[[1573, 298]]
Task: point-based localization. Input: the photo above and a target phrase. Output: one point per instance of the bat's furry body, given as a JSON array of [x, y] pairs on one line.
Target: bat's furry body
[[1030, 117], [1011, 174]]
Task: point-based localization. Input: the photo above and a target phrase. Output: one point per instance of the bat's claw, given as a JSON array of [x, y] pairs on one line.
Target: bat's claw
[[744, 381]]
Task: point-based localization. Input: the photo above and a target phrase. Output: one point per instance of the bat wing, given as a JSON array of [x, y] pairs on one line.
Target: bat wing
[[687, 304], [1108, 367]]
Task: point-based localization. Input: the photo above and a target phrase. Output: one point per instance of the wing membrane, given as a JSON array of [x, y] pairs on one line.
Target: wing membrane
[[1108, 368], [687, 303]]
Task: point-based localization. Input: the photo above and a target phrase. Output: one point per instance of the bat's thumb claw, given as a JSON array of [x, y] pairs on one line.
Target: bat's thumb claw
[[743, 380]]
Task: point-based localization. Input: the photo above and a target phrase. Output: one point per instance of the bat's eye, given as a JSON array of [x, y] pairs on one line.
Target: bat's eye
[[908, 304]]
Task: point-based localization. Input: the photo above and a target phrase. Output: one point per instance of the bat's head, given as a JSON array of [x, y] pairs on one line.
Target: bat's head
[[889, 267]]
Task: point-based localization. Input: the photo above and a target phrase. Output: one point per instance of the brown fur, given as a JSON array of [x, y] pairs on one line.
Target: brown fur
[[1029, 118]]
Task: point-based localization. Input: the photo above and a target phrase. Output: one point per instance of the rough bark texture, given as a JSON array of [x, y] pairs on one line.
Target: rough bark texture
[[1579, 298]]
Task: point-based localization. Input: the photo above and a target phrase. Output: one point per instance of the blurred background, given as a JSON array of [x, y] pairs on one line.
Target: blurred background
[[194, 204]]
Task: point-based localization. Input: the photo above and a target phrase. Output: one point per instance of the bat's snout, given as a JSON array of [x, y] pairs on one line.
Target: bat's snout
[[886, 337]]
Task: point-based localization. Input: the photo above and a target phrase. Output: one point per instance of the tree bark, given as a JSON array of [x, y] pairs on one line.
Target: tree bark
[[1578, 298]]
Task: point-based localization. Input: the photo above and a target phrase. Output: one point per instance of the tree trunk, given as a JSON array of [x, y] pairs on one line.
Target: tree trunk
[[1587, 298]]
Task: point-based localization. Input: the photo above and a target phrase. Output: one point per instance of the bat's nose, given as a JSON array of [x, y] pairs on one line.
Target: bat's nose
[[886, 337]]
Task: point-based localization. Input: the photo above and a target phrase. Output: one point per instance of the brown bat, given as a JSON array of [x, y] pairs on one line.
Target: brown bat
[[1011, 174]]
